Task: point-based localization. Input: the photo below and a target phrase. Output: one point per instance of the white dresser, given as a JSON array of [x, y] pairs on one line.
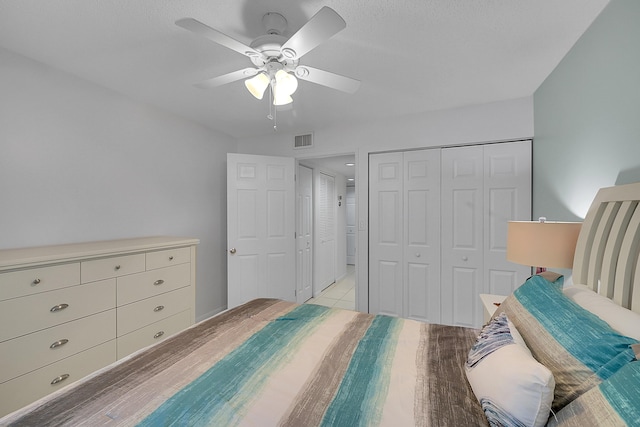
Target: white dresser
[[68, 310]]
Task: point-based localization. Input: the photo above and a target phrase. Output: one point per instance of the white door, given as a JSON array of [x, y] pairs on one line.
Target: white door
[[386, 202], [483, 187], [326, 236], [304, 233], [351, 225], [507, 197], [462, 244], [260, 228], [404, 234], [422, 235]]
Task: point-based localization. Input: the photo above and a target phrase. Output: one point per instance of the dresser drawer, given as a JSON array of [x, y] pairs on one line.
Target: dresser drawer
[[34, 280], [150, 283], [29, 352], [142, 313], [105, 268], [166, 258], [24, 315], [153, 333], [23, 390]]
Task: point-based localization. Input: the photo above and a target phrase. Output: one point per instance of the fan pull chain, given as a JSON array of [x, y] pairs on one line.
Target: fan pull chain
[[273, 114]]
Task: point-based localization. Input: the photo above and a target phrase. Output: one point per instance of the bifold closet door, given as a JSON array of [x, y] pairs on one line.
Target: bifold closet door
[[483, 187], [386, 201], [462, 248], [422, 235], [404, 240]]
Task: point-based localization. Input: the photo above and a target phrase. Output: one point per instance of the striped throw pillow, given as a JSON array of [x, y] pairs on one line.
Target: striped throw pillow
[[579, 348]]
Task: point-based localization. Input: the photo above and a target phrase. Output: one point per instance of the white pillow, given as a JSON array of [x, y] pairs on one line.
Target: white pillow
[[513, 381], [622, 320]]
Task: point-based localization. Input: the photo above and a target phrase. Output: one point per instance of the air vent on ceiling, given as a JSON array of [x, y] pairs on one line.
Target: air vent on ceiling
[[303, 141]]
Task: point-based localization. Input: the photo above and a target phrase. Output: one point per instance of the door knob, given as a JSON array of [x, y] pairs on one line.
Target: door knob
[[232, 251]]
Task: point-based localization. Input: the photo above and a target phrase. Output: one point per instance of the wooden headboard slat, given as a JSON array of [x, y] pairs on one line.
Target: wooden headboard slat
[[635, 289], [599, 243], [627, 260], [612, 250]]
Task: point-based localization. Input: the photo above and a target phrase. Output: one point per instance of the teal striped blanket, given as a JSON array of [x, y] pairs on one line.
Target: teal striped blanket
[[271, 362]]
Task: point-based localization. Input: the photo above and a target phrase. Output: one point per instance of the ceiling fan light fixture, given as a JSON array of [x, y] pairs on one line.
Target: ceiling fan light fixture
[[281, 98], [257, 85], [286, 83]]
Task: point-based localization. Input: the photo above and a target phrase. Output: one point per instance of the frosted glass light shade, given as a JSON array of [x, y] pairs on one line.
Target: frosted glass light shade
[[257, 85], [286, 83], [542, 244], [281, 99]]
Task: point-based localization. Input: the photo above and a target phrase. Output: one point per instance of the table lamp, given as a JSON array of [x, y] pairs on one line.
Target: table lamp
[[542, 244]]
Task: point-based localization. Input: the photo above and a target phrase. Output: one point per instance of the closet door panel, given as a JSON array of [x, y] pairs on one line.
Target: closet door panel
[[507, 192], [385, 234], [462, 234], [421, 256]]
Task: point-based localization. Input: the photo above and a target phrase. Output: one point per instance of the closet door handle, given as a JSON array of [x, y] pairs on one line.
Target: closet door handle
[[58, 307], [158, 282], [159, 308], [59, 343]]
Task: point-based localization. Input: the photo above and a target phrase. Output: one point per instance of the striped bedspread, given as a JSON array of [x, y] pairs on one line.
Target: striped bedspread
[[270, 362]]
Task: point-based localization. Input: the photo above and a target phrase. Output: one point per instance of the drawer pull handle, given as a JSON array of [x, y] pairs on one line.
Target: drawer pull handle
[[158, 282], [158, 335], [159, 308], [171, 258], [36, 281], [117, 267], [59, 379], [59, 343], [58, 307]]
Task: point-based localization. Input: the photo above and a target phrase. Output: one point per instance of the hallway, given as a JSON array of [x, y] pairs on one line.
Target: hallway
[[341, 294]]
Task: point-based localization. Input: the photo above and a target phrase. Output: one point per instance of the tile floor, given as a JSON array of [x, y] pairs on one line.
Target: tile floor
[[341, 294]]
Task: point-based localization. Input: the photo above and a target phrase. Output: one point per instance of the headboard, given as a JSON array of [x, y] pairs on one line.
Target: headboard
[[606, 257]]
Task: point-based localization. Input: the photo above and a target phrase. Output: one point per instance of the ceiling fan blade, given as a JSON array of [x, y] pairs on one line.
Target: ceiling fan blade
[[203, 30], [325, 78], [319, 28], [228, 78]]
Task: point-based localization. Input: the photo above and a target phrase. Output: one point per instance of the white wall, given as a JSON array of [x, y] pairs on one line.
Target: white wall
[[79, 163], [499, 121], [587, 117]]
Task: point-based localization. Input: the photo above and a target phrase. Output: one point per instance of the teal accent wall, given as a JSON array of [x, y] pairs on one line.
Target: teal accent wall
[[587, 117]]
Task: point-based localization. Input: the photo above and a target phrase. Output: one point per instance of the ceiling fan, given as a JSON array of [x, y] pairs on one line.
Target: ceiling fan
[[276, 58]]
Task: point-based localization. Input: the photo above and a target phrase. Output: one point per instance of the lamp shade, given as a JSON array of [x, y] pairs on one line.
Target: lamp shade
[[257, 84], [542, 244]]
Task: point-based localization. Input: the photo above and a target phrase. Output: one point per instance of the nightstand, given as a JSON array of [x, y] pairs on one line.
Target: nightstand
[[490, 303]]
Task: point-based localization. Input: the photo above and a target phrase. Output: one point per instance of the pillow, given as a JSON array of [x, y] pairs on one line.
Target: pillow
[[615, 402], [619, 318], [577, 346], [512, 387]]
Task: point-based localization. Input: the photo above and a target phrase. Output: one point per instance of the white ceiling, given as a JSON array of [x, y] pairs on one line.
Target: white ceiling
[[411, 55]]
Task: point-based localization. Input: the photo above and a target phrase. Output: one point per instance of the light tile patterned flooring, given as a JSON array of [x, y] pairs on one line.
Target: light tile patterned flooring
[[341, 294]]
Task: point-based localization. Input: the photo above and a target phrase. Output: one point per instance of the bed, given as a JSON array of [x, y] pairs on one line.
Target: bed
[[552, 354]]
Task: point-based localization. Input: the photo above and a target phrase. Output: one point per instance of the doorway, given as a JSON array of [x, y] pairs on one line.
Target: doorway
[[334, 207]]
